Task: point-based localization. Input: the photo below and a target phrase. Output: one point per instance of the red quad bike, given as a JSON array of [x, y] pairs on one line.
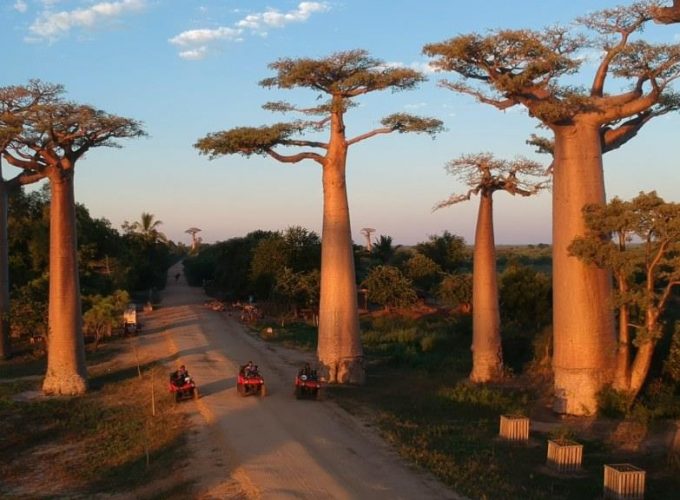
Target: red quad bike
[[250, 382], [185, 390], [307, 385]]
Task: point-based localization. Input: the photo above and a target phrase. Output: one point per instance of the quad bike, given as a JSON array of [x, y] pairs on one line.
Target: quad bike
[[250, 382], [185, 389], [307, 385]]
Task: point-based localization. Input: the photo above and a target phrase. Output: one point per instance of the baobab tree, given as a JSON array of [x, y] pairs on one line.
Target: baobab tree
[[367, 232], [193, 231], [485, 175], [639, 241], [15, 102], [54, 136], [523, 67], [342, 76]]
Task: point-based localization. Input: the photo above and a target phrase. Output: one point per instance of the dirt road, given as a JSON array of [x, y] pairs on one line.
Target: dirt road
[[274, 447]]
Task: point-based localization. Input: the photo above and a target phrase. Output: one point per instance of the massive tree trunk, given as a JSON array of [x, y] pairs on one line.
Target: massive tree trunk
[[584, 340], [339, 349], [5, 346], [487, 354], [66, 371]]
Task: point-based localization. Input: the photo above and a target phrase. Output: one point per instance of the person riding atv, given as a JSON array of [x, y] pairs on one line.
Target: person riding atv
[[178, 378]]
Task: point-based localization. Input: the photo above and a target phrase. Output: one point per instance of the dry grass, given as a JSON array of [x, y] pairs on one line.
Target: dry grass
[[106, 441]]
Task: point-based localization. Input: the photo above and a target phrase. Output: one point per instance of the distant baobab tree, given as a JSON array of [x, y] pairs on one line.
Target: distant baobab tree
[[193, 231], [367, 231], [15, 104], [485, 175], [54, 136], [342, 77], [506, 68]]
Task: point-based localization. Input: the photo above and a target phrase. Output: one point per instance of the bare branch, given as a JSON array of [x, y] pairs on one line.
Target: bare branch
[[296, 158]]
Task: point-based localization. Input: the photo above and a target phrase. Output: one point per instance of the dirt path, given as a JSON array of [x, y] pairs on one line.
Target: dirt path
[[274, 447]]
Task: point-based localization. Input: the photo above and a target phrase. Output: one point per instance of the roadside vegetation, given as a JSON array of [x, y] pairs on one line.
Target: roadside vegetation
[[107, 440], [416, 331]]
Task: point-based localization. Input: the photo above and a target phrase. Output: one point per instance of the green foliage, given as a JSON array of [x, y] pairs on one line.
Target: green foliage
[[383, 250], [671, 366], [387, 286], [525, 299], [446, 250], [455, 291], [612, 403], [342, 76], [28, 309], [403, 123], [247, 141], [104, 313], [422, 271], [347, 74], [490, 397], [505, 68]]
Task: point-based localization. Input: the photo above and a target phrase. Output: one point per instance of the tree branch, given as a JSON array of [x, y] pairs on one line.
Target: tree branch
[[481, 97], [668, 15], [295, 158], [372, 133], [302, 143]]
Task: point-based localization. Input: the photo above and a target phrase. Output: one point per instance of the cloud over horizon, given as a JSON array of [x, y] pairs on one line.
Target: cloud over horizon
[[197, 43], [51, 25]]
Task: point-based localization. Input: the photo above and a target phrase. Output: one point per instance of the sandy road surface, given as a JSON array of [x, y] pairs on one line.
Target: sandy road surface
[[274, 447]]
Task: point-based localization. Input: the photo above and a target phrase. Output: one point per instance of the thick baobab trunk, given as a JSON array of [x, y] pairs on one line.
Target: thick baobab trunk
[[487, 353], [5, 347], [66, 371], [584, 340], [339, 349]]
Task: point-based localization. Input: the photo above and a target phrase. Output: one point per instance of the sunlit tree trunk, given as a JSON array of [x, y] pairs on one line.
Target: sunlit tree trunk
[[339, 349], [584, 340], [5, 347], [66, 371], [487, 354]]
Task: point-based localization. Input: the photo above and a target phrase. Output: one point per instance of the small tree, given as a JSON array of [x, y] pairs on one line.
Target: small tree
[[343, 76], [485, 175], [54, 136], [455, 291], [104, 314], [639, 241], [388, 287], [383, 250], [447, 250], [423, 271]]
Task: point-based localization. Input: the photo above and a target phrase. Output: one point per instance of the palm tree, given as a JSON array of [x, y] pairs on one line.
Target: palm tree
[[486, 175], [147, 227]]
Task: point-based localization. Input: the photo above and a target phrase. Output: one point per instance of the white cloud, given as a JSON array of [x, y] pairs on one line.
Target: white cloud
[[274, 19], [197, 41], [194, 54], [203, 36], [53, 25], [20, 6]]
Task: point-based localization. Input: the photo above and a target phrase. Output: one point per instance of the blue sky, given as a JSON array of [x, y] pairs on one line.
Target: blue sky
[[189, 67]]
